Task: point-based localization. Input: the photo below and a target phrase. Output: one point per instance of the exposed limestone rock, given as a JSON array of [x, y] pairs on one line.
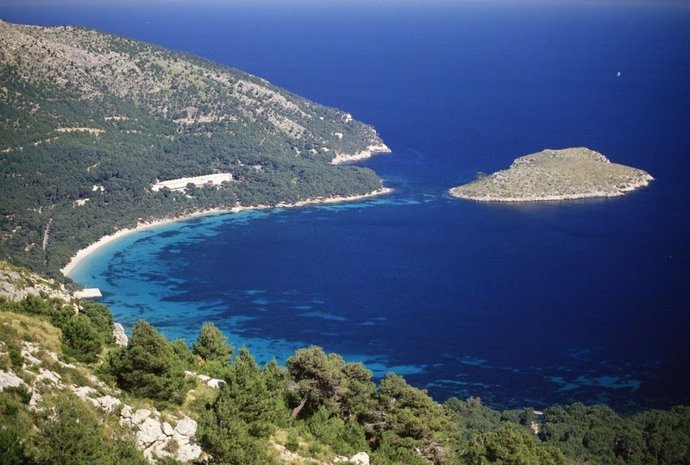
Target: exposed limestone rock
[[9, 379], [362, 458], [16, 284], [186, 427], [84, 392], [188, 452], [214, 383], [368, 152], [159, 438], [149, 433], [48, 376], [126, 415], [167, 429], [95, 381], [55, 357], [287, 456], [36, 399], [107, 403], [28, 350], [158, 449], [140, 415], [119, 334]]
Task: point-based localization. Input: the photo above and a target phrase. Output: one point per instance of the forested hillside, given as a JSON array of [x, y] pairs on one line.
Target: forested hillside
[[89, 121], [63, 377]]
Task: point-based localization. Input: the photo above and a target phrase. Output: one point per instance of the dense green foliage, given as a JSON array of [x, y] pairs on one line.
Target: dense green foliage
[[82, 141], [236, 426], [597, 434], [212, 345], [83, 335], [510, 445], [148, 366], [100, 317], [319, 404], [66, 436], [54, 427], [80, 339]]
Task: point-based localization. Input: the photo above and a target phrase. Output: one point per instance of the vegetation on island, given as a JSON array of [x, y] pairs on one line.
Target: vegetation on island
[[316, 408], [89, 121], [565, 174]]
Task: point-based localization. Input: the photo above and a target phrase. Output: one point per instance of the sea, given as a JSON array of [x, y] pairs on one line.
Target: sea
[[522, 305]]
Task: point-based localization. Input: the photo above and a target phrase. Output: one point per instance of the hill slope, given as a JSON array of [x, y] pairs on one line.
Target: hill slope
[[70, 392], [89, 121]]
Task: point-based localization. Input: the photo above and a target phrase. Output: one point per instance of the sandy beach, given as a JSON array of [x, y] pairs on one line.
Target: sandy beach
[[105, 240]]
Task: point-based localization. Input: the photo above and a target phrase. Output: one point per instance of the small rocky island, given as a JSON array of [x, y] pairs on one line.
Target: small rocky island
[[571, 173]]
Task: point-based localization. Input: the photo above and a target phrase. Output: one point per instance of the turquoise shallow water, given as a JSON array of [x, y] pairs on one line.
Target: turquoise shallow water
[[518, 304], [531, 320]]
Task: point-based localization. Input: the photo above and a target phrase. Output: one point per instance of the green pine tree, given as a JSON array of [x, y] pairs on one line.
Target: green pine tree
[[212, 345], [148, 366]]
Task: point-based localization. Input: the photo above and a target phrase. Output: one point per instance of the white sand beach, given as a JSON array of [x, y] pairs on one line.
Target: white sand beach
[[105, 240]]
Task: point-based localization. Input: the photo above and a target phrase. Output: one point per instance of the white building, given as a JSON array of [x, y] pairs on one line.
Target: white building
[[199, 181]]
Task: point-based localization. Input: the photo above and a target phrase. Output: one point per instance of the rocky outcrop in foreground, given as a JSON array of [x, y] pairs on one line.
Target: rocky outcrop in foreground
[[17, 283], [158, 438], [572, 173]]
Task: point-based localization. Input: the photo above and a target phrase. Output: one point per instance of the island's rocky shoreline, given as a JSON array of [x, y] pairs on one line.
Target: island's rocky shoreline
[[555, 175]]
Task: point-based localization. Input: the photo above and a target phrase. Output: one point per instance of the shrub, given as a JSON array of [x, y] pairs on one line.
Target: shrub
[[212, 345], [148, 366], [101, 319], [16, 358], [81, 340], [345, 437], [12, 451]]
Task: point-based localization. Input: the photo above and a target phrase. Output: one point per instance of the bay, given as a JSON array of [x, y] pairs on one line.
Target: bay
[[518, 304]]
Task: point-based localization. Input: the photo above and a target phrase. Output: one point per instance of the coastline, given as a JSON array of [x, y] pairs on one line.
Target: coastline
[[555, 175], [555, 198], [141, 226], [370, 151]]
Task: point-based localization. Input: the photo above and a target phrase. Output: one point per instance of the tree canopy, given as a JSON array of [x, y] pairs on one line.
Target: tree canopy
[[212, 345], [318, 399], [148, 366]]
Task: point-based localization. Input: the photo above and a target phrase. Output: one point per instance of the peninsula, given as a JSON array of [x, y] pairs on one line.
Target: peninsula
[[565, 174], [104, 133]]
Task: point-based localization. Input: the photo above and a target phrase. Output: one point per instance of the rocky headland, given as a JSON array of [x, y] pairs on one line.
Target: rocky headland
[[565, 174], [370, 151]]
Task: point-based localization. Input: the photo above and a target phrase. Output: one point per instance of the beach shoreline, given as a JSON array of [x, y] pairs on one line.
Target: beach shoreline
[[82, 254]]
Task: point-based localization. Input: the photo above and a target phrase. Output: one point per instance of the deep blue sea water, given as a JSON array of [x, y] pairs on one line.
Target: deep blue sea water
[[518, 304]]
